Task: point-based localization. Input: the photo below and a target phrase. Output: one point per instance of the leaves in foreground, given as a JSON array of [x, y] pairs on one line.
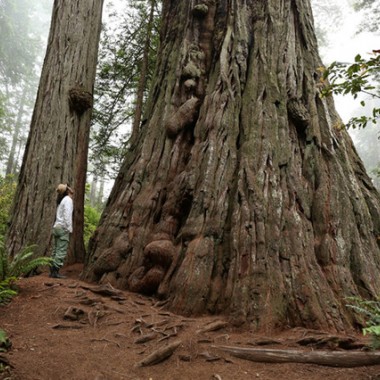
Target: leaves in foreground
[[355, 78], [11, 269], [369, 310]]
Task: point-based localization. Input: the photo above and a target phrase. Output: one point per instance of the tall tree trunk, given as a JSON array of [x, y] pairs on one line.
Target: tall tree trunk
[[56, 150], [143, 75], [99, 198], [242, 196], [93, 190], [11, 163]]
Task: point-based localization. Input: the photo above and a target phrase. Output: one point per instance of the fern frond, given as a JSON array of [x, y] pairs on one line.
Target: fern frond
[[18, 261], [24, 262], [28, 266], [370, 310], [6, 295]]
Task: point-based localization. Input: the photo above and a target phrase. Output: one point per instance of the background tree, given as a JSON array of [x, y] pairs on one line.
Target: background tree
[[240, 196], [57, 144], [126, 60], [370, 10], [22, 24], [328, 17]]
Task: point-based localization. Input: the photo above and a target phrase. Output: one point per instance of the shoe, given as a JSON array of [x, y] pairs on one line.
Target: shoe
[[54, 273], [59, 275]]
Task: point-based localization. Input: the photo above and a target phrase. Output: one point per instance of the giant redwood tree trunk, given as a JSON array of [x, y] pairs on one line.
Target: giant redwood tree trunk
[[56, 150], [243, 196]]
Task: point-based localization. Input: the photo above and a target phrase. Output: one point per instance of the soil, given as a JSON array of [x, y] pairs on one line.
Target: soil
[[66, 329]]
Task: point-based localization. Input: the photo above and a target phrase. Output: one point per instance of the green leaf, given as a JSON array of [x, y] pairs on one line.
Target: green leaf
[[373, 330]]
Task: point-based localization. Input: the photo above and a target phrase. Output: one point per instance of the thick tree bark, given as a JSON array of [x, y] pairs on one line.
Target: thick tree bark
[[242, 196], [56, 150]]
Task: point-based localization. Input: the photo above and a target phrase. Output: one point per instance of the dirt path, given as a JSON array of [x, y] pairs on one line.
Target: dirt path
[[66, 329]]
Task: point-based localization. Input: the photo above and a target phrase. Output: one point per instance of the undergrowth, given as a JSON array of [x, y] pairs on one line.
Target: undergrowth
[[11, 269], [370, 312]]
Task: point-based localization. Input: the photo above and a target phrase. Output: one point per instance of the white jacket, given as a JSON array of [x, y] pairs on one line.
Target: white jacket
[[64, 217]]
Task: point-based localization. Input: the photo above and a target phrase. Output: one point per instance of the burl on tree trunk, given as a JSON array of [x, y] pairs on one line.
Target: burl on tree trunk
[[243, 194]]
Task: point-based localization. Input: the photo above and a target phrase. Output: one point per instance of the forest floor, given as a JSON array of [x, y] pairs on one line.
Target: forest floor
[[69, 329]]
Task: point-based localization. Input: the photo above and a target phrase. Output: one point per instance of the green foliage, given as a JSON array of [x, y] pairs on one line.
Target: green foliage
[[370, 312], [21, 264], [354, 79], [120, 61], [7, 191], [91, 220], [5, 343], [7, 291], [11, 269]]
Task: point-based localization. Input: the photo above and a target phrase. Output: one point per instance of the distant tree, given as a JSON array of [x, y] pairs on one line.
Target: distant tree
[[126, 60], [17, 48], [368, 146], [328, 17], [57, 145], [144, 72], [370, 10], [22, 24]]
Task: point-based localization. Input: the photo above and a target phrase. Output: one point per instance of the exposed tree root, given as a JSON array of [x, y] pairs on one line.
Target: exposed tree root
[[104, 290], [159, 355], [326, 358], [105, 340], [60, 326], [145, 338], [213, 326]]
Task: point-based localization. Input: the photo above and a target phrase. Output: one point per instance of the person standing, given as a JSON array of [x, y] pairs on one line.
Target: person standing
[[62, 228]]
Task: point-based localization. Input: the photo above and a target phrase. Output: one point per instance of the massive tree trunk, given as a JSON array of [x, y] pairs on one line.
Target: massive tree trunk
[[243, 195], [56, 150]]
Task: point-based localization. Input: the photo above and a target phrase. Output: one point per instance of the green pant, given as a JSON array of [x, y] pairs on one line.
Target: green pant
[[61, 243]]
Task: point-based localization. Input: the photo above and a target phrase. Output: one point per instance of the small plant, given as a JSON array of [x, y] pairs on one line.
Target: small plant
[[355, 78], [7, 290], [5, 343], [370, 311], [11, 270], [91, 220], [7, 192]]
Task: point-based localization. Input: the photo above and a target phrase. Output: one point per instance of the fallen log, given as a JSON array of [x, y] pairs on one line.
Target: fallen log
[[326, 358]]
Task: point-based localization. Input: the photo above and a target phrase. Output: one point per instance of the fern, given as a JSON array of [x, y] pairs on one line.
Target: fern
[[11, 270], [22, 263], [370, 310], [7, 290], [5, 343]]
